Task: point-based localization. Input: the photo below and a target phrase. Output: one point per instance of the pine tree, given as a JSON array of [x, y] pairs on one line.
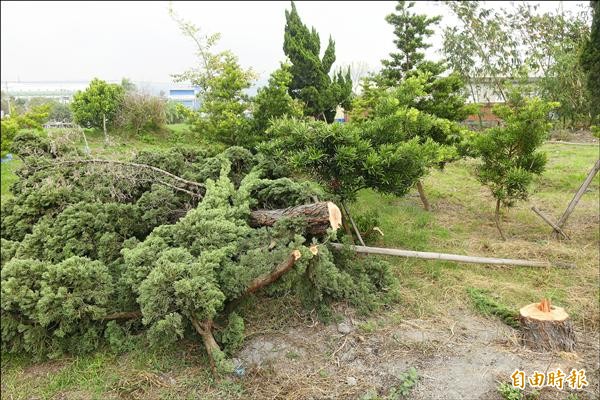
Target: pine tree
[[590, 61], [311, 82], [411, 31]]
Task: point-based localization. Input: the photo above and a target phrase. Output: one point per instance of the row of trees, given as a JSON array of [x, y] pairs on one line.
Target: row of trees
[[550, 54]]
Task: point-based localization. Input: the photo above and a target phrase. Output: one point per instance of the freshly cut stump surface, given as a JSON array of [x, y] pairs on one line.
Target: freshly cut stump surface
[[546, 328]]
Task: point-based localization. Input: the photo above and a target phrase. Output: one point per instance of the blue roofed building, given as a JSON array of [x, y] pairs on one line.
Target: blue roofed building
[[186, 95]]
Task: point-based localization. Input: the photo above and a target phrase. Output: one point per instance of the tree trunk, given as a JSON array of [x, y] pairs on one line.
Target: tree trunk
[[497, 219], [104, 130], [422, 195], [318, 216], [360, 239], [204, 329], [546, 328]]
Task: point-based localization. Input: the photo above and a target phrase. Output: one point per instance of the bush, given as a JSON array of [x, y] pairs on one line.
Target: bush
[[141, 113], [11, 125], [98, 101], [509, 153]]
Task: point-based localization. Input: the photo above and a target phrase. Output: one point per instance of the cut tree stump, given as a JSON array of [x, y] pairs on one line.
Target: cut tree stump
[[546, 328], [318, 216]]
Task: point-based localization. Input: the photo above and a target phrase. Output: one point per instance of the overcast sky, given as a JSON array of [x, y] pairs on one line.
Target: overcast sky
[[76, 41]]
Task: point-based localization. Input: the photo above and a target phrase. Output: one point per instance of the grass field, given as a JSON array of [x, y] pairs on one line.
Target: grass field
[[461, 221]]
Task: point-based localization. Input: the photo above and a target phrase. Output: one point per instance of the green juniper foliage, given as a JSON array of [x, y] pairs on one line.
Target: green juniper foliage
[[75, 257]]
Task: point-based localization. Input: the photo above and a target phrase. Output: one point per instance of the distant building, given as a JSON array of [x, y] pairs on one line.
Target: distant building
[[483, 91], [188, 96]]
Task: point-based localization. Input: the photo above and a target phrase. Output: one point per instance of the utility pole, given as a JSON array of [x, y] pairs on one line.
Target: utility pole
[[7, 96]]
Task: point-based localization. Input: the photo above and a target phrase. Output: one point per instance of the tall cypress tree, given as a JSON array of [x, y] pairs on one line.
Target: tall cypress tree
[[411, 30], [311, 82], [590, 61]]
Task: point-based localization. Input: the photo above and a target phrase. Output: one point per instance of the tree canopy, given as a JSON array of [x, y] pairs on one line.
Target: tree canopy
[[411, 32], [311, 81]]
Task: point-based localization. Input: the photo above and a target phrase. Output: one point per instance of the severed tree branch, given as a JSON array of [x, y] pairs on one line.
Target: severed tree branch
[[131, 164], [275, 274]]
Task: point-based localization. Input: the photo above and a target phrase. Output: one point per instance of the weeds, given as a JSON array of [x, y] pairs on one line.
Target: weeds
[[486, 305]]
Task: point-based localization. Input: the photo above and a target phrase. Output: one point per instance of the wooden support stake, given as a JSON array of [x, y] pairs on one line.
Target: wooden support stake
[[588, 180], [550, 222], [360, 239], [449, 257]]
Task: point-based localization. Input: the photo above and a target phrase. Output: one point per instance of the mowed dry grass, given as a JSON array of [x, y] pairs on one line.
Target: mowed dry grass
[[460, 222]]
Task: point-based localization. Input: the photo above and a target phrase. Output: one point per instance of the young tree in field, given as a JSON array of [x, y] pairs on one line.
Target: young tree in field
[[311, 83], [223, 84], [97, 105], [274, 101], [509, 154], [590, 61], [411, 32]]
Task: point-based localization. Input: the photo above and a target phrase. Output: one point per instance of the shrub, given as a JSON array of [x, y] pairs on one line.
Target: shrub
[[141, 113], [11, 125], [98, 101], [509, 153]]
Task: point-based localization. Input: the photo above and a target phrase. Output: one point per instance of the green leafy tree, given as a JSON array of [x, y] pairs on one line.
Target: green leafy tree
[[407, 111], [274, 101], [590, 61], [311, 82], [11, 125], [482, 48], [552, 44], [443, 96], [128, 85], [509, 154], [411, 32], [224, 103], [97, 105]]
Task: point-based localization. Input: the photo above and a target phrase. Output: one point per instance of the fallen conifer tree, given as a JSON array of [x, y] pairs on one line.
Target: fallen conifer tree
[[97, 254]]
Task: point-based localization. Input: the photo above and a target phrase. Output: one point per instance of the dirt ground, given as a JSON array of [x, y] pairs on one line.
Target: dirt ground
[[461, 356]]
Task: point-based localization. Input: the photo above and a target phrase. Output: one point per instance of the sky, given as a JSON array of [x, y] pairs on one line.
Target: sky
[[77, 41]]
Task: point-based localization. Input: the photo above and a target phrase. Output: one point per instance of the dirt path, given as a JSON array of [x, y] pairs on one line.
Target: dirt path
[[462, 356]]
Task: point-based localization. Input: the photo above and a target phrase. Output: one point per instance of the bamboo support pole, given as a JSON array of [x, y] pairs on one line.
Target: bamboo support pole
[[588, 180], [547, 219], [449, 257]]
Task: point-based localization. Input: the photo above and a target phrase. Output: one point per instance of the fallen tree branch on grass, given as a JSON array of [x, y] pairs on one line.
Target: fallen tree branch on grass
[[449, 257]]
